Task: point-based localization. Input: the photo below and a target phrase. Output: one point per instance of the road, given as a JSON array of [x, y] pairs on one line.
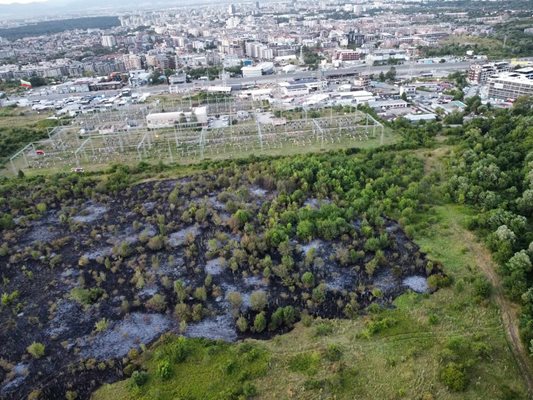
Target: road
[[405, 70]]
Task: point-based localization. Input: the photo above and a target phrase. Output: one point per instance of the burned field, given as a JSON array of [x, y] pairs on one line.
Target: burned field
[[91, 272]]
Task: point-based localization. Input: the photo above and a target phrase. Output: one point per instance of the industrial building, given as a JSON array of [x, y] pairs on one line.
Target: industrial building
[[171, 119], [387, 104], [265, 68]]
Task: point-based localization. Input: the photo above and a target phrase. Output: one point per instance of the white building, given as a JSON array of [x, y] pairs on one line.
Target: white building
[[478, 74], [78, 86], [420, 117], [511, 85], [355, 97], [387, 104], [293, 89], [256, 94], [383, 56], [109, 41], [258, 70], [259, 50], [170, 119]]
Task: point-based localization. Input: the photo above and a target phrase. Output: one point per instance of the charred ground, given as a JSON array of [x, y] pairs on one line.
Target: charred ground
[[95, 267]]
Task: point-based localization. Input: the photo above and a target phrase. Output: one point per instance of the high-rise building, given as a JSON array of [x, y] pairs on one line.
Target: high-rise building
[[109, 41], [259, 50], [231, 9], [132, 62], [355, 38]]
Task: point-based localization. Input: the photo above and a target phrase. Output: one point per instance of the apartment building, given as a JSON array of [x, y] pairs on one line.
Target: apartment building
[[511, 85], [479, 73]]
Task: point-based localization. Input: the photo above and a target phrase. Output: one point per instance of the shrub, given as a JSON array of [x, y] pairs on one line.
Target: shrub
[[4, 250], [235, 299], [258, 300], [276, 320], [122, 250], [34, 395], [164, 369], [307, 320], [36, 349], [155, 243], [482, 287], [376, 326], [71, 395], [83, 261], [158, 303], [289, 315], [438, 281], [333, 352], [433, 319], [86, 296], [242, 324], [249, 390], [200, 293], [179, 350], [8, 299], [139, 378], [307, 363], [197, 312], [372, 244], [101, 325], [179, 289], [323, 329], [260, 322], [308, 279], [453, 377], [182, 312], [319, 293], [241, 217]]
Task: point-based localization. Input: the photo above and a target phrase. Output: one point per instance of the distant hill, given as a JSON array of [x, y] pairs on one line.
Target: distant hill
[[79, 8], [50, 27]]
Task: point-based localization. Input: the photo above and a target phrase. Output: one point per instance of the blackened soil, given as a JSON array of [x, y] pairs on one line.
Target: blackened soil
[[114, 260]]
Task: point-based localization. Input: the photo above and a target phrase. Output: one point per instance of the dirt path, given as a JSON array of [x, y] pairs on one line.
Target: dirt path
[[508, 310]]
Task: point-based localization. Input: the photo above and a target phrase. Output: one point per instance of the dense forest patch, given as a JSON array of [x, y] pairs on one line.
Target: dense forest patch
[[51, 27]]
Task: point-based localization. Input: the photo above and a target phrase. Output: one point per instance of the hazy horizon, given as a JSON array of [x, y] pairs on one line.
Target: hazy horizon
[[11, 10]]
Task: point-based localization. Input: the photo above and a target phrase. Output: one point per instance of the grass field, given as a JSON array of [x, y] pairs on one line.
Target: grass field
[[465, 40], [161, 153], [18, 127], [19, 117], [352, 359]]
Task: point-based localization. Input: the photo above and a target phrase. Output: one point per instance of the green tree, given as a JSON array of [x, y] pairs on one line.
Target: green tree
[[391, 74], [37, 81]]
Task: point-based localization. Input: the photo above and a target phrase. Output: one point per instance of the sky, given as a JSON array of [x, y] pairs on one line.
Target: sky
[[20, 1]]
